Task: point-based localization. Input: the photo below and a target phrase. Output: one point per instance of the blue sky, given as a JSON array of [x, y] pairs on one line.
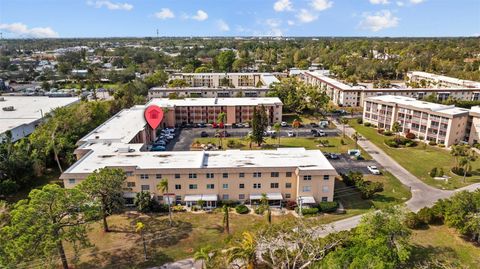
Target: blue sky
[[112, 18]]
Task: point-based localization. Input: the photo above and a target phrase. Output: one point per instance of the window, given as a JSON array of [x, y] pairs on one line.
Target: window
[[71, 181], [178, 198], [177, 175], [325, 189], [158, 176], [288, 185], [274, 174], [178, 186], [241, 196], [225, 186], [324, 199], [210, 186], [192, 175], [257, 185], [241, 175], [129, 173], [225, 175], [307, 189], [192, 186], [307, 177], [130, 184], [143, 176], [145, 187], [288, 196], [210, 175], [241, 186], [288, 174], [225, 197], [274, 185], [257, 174], [326, 177], [160, 198]]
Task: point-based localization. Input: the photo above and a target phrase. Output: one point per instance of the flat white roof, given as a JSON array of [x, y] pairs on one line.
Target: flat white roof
[[28, 109], [243, 101], [446, 79], [335, 83], [122, 127], [268, 79], [107, 155], [403, 100], [197, 197], [270, 196]]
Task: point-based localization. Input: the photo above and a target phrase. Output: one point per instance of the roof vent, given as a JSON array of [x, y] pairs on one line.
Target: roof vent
[[124, 150], [8, 108], [2, 99]]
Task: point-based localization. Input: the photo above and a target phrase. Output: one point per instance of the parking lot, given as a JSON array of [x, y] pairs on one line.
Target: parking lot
[[184, 137]]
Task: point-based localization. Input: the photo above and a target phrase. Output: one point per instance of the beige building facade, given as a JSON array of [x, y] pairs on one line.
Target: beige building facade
[[442, 124]]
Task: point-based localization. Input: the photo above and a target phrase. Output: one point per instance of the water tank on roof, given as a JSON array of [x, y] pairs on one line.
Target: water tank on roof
[[8, 108]]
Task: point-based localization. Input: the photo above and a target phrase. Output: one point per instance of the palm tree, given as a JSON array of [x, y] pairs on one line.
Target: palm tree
[[206, 255], [226, 219], [264, 199], [356, 137], [245, 250], [396, 129], [277, 128], [163, 187], [344, 122], [221, 120], [466, 163]]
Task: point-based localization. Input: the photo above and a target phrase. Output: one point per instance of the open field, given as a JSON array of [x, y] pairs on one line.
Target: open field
[[419, 160], [287, 142], [444, 244]]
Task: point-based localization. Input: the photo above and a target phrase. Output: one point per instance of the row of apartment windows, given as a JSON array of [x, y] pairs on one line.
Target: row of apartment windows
[[273, 185], [224, 175], [178, 198]]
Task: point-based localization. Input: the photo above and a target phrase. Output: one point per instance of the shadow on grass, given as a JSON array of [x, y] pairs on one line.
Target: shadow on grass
[[433, 256]]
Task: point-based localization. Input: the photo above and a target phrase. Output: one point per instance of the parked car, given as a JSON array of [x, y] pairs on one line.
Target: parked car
[[214, 125], [284, 124], [239, 125], [203, 134], [246, 125], [201, 125], [222, 134], [334, 156], [373, 169], [321, 133], [291, 134], [158, 148], [313, 124]]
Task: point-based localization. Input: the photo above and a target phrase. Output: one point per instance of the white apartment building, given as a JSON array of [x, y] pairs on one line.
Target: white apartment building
[[234, 80], [345, 95], [439, 81], [207, 92], [428, 121], [22, 114]]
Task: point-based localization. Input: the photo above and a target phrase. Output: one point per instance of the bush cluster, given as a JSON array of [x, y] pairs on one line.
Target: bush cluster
[[436, 172], [360, 121], [367, 188], [309, 211], [367, 124], [328, 207], [291, 205], [242, 209], [387, 133], [400, 141], [410, 135]]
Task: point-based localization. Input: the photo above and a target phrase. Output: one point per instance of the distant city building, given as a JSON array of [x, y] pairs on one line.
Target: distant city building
[[22, 114]]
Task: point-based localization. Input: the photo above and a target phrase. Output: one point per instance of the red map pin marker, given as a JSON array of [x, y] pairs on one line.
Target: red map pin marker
[[153, 116]]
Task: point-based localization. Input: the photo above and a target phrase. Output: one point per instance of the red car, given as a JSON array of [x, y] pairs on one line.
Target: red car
[[214, 125]]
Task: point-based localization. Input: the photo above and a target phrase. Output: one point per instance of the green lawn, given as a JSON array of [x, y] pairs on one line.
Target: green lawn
[[394, 192], [420, 161], [444, 244], [287, 142]]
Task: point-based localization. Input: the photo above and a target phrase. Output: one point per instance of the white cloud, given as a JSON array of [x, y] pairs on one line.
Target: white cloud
[[200, 16], [21, 30], [283, 5], [416, 1], [290, 22], [306, 16], [275, 32], [377, 2], [379, 21], [111, 5], [223, 26], [400, 3], [321, 5], [165, 13]]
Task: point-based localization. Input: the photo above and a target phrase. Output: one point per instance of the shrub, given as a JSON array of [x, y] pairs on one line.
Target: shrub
[[433, 172], [441, 145], [367, 124], [412, 221], [291, 205], [440, 172], [178, 208], [387, 133], [460, 172], [368, 189], [327, 207], [309, 211], [421, 137], [342, 142], [359, 120], [391, 143], [260, 210], [8, 187], [380, 131], [410, 135], [242, 209], [425, 215], [432, 143]]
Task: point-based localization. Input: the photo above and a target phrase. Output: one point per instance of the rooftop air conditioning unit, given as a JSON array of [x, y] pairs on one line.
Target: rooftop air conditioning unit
[[2, 99], [8, 108], [124, 150]]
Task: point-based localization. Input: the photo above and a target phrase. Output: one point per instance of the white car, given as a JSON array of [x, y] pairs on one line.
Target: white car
[[373, 169], [290, 134], [284, 124]]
